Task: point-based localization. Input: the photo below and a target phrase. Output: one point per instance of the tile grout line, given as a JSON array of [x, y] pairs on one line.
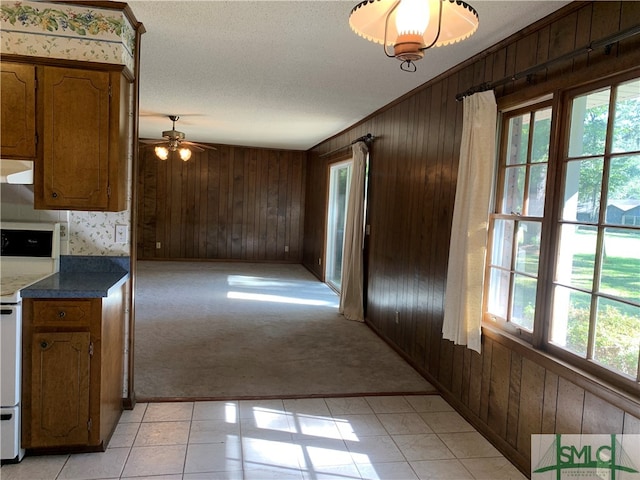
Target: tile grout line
[[132, 442], [186, 449]]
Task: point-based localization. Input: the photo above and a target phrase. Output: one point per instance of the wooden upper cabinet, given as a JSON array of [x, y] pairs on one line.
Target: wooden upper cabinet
[[18, 118], [83, 160]]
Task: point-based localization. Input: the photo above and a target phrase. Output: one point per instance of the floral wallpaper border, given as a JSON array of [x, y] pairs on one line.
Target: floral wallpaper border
[[66, 31]]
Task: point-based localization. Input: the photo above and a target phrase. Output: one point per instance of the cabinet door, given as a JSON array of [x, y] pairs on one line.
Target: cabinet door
[[75, 139], [60, 389], [18, 118]]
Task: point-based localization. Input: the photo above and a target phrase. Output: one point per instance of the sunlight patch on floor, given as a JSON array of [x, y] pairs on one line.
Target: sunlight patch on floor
[[261, 297]]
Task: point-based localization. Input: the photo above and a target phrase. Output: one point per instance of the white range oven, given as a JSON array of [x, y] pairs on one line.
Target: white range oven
[[29, 253]]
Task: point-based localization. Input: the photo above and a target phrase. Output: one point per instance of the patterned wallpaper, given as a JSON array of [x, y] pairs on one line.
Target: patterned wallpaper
[[70, 32], [93, 233]]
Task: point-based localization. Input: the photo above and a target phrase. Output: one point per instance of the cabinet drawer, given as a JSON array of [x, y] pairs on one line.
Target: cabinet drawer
[[62, 312]]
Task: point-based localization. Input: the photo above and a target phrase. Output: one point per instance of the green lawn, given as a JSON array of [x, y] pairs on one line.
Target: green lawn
[[620, 276], [618, 324]]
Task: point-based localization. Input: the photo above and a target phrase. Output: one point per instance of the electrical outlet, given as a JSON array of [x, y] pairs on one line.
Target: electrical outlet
[[64, 231], [286, 248], [121, 234], [397, 317], [158, 245], [319, 261]]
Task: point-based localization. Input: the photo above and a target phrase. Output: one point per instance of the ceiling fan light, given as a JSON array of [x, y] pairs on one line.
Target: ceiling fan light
[[162, 152], [185, 154]]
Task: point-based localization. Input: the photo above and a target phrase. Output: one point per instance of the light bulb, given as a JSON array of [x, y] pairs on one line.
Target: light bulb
[[162, 153], [412, 17], [185, 154]]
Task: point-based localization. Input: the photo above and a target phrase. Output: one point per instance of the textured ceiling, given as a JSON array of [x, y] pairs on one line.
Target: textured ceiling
[[283, 74]]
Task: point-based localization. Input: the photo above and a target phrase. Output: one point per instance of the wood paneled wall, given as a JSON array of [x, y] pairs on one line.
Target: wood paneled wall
[[510, 391], [233, 203]]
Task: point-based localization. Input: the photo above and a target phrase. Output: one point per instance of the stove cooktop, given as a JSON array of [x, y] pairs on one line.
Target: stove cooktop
[[10, 285]]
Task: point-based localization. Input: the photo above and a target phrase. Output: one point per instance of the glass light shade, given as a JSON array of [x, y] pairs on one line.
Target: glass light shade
[[412, 17], [369, 20], [162, 152], [185, 154]]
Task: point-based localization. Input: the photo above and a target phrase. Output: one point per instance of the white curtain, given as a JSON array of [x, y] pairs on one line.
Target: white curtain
[[468, 244], [351, 294]]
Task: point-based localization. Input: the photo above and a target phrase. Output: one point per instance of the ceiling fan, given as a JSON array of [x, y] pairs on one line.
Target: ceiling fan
[[175, 142]]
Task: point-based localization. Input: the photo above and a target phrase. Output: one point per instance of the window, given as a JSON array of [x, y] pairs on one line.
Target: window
[[563, 269], [339, 183], [517, 223]]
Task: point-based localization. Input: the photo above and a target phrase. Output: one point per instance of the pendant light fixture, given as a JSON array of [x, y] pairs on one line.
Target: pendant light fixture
[[412, 26]]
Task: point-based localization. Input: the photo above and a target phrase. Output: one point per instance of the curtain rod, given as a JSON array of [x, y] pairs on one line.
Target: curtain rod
[[606, 42], [365, 138]]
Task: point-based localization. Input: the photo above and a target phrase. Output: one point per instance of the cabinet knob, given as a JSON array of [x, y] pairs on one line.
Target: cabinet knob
[[62, 314], [44, 345], [54, 195]]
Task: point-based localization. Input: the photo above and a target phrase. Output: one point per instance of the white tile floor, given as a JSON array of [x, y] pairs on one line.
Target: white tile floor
[[388, 437]]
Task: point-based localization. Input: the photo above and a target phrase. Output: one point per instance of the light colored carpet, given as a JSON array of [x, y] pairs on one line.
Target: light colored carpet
[[243, 330]]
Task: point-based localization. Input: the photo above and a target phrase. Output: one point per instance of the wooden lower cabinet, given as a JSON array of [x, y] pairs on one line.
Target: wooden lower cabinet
[[60, 389], [73, 356]]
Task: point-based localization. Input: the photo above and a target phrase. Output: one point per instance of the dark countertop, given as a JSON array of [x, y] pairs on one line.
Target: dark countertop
[[82, 277], [76, 285]]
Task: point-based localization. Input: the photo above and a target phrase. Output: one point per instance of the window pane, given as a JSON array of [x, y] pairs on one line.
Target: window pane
[[617, 336], [620, 275], [518, 140], [570, 320], [623, 199], [498, 292], [513, 190], [502, 247], [524, 301], [541, 136], [626, 124], [577, 256], [589, 117], [537, 186], [528, 247], [582, 187], [339, 181]]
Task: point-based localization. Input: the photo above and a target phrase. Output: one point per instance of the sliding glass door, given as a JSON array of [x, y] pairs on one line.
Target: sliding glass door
[[339, 181]]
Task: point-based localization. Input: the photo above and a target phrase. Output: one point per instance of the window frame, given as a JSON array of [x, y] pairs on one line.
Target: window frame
[[504, 118], [551, 223]]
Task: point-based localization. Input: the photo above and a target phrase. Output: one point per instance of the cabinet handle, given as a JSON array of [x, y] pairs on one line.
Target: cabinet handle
[[54, 195], [44, 345], [62, 314]]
